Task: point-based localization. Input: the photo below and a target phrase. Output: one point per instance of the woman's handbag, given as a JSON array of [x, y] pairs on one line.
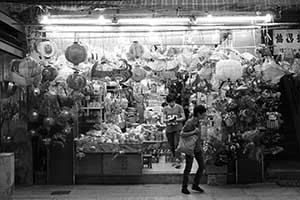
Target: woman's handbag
[[187, 144]]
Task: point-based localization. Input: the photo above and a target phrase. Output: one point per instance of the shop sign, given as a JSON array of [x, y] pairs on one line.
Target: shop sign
[[286, 40]]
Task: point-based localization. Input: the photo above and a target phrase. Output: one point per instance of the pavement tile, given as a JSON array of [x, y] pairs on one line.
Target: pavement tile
[[280, 197]]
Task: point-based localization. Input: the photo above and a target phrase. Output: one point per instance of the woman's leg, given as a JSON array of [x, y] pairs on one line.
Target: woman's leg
[[188, 166], [200, 161], [170, 137]]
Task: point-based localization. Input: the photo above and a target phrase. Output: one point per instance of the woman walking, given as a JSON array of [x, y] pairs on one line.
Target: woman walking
[[192, 127]]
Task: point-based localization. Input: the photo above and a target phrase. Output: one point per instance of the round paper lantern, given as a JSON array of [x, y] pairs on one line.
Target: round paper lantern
[[76, 53], [76, 81], [49, 73], [47, 49], [27, 67], [48, 122]]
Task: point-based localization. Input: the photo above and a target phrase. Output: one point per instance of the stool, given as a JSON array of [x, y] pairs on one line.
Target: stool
[[147, 160]]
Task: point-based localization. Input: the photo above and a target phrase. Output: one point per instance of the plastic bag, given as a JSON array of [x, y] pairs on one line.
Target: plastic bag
[[187, 144], [272, 71], [229, 69]]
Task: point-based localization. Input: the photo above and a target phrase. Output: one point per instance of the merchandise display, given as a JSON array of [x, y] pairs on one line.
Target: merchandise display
[[99, 89]]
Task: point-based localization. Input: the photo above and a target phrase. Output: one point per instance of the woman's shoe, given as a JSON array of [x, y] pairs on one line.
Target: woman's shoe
[[197, 188], [185, 191]]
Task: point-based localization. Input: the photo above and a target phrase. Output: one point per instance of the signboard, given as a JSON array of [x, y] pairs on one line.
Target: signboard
[[286, 40]]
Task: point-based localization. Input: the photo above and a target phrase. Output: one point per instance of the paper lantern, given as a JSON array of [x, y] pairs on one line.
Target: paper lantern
[[76, 53], [49, 73], [76, 81]]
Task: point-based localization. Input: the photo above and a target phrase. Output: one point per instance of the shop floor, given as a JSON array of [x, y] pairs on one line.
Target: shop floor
[[166, 168]]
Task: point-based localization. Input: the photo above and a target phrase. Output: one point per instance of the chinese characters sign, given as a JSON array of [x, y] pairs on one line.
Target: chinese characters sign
[[286, 40]]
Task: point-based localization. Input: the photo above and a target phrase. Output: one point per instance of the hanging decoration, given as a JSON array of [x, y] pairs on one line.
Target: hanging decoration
[[76, 81], [49, 73], [47, 49], [122, 74], [76, 53], [25, 71]]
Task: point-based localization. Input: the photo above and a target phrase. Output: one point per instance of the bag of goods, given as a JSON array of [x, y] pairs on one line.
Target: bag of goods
[[25, 71], [272, 72], [204, 52], [229, 69], [296, 66], [187, 144], [136, 50], [185, 59], [158, 65], [195, 64], [172, 64], [138, 73], [206, 71]]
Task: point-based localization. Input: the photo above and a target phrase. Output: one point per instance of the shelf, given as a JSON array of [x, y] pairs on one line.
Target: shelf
[[92, 108], [154, 141]]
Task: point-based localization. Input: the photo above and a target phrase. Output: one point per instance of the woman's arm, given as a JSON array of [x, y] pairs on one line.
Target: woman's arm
[[189, 133], [182, 114]]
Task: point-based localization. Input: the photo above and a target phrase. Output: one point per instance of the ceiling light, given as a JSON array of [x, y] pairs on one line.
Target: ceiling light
[[155, 21], [234, 19]]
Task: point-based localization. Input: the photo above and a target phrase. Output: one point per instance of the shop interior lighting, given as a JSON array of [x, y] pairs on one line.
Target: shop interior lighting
[[52, 20], [155, 21], [234, 19], [207, 20]]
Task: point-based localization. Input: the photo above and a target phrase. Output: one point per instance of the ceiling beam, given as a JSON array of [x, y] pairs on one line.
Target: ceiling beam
[[11, 22]]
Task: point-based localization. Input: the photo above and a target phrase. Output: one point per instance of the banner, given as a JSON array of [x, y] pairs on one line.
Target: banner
[[286, 40]]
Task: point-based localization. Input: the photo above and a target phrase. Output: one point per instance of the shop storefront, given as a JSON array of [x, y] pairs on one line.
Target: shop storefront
[[96, 82]]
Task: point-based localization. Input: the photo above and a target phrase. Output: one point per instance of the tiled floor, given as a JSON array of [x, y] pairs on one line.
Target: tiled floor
[[267, 191]]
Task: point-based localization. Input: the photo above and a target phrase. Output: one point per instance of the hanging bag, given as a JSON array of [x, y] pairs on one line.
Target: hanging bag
[[187, 144]]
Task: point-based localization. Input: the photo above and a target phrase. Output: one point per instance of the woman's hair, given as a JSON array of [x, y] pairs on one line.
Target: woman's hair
[[199, 110], [164, 104], [170, 98]]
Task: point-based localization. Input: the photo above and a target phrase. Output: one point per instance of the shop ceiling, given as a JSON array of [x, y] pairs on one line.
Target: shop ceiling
[[283, 10]]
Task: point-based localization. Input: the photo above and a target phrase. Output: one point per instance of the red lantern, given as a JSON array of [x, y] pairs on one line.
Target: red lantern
[[49, 73], [76, 53], [76, 81]]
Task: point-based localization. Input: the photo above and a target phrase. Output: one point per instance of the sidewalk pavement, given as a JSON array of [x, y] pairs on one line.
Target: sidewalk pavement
[[266, 191]]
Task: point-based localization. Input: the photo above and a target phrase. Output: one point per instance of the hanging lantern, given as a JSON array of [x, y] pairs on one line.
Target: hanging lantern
[[26, 68], [76, 81], [47, 49], [48, 122], [64, 117], [49, 73], [76, 53]]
